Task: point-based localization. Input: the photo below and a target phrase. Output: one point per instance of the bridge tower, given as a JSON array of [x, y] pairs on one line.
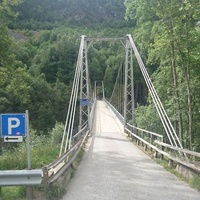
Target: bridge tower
[[84, 87], [129, 102]]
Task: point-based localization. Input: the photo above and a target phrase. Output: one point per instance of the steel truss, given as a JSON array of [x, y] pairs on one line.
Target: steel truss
[[84, 89], [129, 102]]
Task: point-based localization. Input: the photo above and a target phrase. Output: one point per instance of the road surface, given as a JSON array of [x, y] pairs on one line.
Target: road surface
[[114, 169]]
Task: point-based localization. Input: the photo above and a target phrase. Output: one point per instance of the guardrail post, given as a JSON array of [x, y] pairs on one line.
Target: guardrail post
[[163, 149], [151, 139], [170, 163], [138, 142], [29, 192], [45, 178], [132, 130], [156, 154], [142, 136]]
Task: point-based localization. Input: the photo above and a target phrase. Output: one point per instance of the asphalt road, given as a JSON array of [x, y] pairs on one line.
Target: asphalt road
[[114, 169]]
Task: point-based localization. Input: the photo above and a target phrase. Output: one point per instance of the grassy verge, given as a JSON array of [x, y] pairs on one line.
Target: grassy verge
[[13, 193], [41, 154]]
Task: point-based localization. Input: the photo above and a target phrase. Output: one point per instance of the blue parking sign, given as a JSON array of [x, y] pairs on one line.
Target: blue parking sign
[[13, 125]]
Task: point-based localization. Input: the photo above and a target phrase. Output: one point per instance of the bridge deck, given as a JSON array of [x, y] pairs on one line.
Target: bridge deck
[[114, 169]]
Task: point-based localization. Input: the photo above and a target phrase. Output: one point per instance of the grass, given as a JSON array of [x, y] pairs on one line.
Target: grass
[[41, 155], [13, 193], [195, 182], [55, 191]]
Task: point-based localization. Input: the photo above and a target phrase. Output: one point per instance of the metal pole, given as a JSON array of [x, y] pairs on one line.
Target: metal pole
[[125, 87], [28, 141], [87, 84], [95, 91], [29, 189], [103, 90]]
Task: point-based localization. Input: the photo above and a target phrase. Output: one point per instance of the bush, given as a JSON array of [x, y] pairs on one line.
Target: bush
[[57, 133]]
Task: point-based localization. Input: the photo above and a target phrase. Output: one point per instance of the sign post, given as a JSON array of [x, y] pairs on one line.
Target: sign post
[[29, 189], [13, 128], [28, 140]]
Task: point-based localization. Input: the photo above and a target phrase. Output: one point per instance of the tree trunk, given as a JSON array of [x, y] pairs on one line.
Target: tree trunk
[[189, 97], [190, 110], [176, 93], [186, 67]]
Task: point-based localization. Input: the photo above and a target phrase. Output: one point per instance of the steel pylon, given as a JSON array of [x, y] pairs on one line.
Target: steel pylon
[[129, 103], [84, 88]]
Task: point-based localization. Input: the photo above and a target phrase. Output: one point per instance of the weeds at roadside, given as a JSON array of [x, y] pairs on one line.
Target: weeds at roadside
[[55, 191], [195, 182]]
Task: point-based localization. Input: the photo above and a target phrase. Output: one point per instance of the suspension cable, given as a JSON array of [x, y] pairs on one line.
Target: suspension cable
[[161, 111], [72, 103]]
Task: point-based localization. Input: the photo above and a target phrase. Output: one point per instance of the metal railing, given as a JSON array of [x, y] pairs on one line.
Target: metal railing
[[149, 136], [118, 115], [55, 169], [160, 148], [20, 177]]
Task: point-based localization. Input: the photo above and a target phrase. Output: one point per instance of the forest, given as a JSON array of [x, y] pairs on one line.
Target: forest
[[39, 43]]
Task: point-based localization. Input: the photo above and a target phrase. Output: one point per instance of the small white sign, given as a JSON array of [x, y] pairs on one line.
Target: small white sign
[[13, 139]]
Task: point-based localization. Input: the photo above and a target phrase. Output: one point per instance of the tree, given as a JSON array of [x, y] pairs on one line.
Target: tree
[[173, 41]]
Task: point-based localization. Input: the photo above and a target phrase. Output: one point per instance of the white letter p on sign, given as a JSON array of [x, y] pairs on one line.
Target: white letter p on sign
[[12, 123]]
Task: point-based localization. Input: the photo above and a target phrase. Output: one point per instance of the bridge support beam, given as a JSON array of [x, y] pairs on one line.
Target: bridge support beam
[[129, 103]]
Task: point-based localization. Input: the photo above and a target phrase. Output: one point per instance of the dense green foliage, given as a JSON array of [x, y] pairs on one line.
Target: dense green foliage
[[37, 59], [169, 40]]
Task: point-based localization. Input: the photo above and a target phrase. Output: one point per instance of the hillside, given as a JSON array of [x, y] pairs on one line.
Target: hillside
[[71, 12]]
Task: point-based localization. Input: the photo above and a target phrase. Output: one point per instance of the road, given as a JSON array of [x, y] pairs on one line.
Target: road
[[114, 169]]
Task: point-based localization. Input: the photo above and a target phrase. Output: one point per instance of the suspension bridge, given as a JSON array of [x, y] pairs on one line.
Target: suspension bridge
[[112, 167], [87, 96]]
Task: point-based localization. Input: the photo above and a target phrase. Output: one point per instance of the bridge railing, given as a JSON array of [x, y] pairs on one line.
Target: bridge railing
[[55, 169], [171, 153], [144, 134], [92, 113], [77, 137], [140, 135], [118, 115]]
